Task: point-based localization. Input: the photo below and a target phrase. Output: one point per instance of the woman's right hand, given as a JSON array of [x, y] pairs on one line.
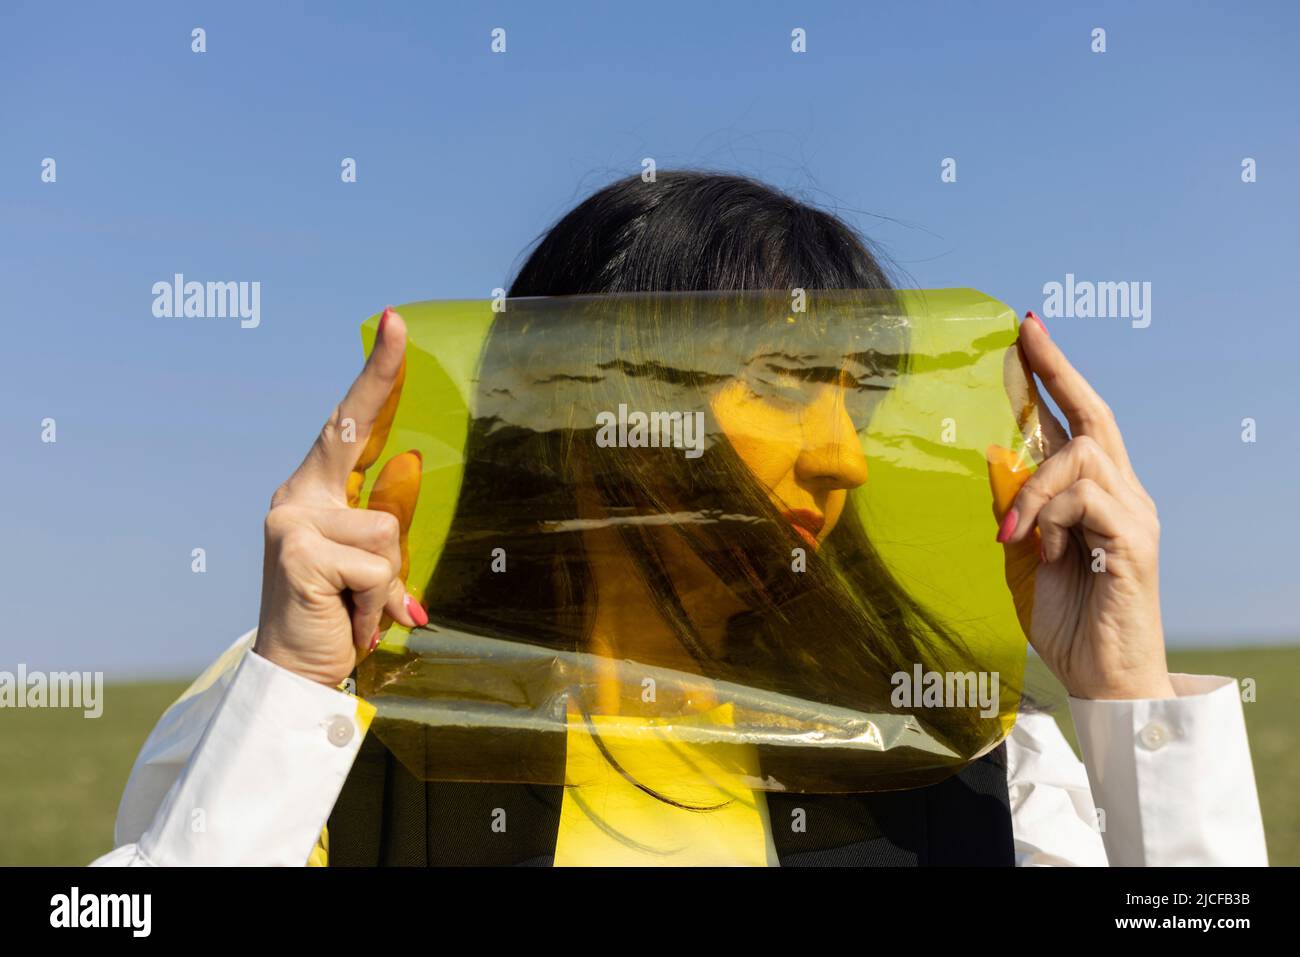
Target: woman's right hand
[[332, 570]]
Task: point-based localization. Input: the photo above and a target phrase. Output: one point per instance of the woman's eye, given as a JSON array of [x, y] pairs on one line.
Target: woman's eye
[[779, 394]]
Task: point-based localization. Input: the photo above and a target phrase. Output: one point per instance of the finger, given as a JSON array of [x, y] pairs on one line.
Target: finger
[[395, 492], [396, 605], [356, 574], [324, 473], [1039, 428], [1082, 458], [378, 437], [1084, 504], [1053, 434], [370, 585], [1084, 409], [367, 613], [374, 532], [1008, 472]]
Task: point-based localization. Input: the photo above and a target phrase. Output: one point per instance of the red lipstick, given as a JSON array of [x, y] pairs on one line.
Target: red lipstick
[[807, 525]]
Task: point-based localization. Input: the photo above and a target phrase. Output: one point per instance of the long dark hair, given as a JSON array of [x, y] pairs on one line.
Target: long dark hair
[[840, 628]]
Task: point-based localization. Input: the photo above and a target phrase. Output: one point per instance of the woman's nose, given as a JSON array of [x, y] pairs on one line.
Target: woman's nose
[[832, 450]]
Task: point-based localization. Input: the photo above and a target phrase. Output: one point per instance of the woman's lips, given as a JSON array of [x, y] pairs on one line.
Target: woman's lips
[[806, 525]]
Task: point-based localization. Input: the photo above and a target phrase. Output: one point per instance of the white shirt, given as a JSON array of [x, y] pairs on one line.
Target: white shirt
[[245, 768]]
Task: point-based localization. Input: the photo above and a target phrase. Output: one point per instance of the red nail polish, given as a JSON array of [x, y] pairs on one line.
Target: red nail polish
[[1008, 526], [1041, 325], [417, 613], [388, 311], [374, 642]]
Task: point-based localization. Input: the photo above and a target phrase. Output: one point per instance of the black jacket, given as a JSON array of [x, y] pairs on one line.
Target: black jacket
[[386, 816]]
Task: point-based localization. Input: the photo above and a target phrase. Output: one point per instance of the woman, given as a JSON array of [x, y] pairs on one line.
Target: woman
[[258, 752]]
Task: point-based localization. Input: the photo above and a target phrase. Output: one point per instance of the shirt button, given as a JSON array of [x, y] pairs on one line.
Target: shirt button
[[1154, 736], [339, 730]]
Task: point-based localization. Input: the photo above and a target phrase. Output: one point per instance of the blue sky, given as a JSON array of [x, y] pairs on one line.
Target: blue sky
[[172, 434]]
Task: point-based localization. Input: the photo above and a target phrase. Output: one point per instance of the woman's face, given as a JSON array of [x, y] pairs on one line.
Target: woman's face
[[798, 439]]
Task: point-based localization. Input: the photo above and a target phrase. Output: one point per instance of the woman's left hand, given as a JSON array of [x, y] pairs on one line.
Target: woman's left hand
[[1096, 609]]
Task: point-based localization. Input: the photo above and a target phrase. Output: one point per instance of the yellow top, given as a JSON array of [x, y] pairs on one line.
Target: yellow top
[[606, 820]]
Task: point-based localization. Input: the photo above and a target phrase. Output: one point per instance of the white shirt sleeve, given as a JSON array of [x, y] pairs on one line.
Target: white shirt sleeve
[[243, 771], [1164, 782], [1053, 818]]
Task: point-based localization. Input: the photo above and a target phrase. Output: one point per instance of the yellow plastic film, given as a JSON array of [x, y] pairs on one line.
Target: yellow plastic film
[[704, 542]]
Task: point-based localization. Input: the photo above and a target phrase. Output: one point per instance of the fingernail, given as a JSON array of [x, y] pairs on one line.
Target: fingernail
[[388, 311], [374, 642], [1042, 553], [417, 613], [1032, 315], [1008, 526]]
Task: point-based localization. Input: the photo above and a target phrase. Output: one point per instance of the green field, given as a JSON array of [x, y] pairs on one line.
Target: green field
[[61, 775]]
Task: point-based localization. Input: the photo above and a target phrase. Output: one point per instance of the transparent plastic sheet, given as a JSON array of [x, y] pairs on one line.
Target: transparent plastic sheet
[[703, 541]]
